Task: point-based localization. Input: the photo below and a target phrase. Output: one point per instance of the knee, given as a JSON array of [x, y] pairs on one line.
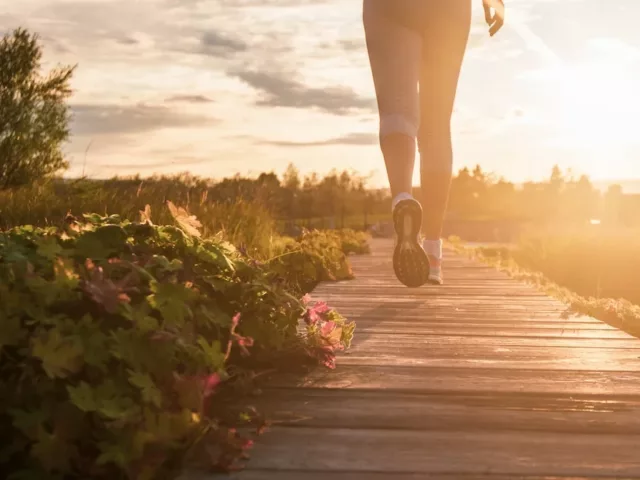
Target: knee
[[398, 123]]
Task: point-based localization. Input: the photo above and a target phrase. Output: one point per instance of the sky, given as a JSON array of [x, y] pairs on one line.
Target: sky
[[219, 87]]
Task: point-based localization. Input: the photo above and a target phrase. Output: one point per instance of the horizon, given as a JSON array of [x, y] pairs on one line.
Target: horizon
[[164, 86]]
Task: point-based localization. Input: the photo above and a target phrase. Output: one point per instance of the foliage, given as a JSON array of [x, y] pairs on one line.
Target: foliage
[[115, 337], [47, 204], [34, 116], [354, 242], [313, 257]]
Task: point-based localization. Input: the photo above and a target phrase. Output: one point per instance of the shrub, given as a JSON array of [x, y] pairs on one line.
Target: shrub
[[354, 242], [114, 337], [314, 257]]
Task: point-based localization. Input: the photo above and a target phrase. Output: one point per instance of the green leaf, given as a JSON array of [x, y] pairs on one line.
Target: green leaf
[[113, 402], [172, 301], [164, 264], [213, 352], [29, 422], [101, 243], [148, 389], [48, 247], [60, 356], [53, 453], [83, 397]]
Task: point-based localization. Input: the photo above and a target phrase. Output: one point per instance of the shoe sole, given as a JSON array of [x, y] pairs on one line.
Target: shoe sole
[[410, 261]]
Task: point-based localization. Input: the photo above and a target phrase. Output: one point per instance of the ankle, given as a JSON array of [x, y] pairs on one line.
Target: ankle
[[433, 247], [399, 198]]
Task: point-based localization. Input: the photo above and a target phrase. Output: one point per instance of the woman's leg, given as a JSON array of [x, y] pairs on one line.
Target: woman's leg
[[395, 57], [445, 34]]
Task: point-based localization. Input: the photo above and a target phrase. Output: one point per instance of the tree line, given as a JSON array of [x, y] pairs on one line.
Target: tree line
[[34, 125]]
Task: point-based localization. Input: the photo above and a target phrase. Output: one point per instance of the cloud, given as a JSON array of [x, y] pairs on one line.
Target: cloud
[[279, 91], [123, 120], [219, 45], [188, 99], [350, 139]]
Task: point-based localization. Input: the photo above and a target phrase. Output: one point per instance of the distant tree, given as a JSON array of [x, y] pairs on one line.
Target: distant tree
[[34, 117], [291, 192]]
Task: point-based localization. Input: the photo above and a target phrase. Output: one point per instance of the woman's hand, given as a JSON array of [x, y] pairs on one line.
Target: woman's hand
[[494, 15]]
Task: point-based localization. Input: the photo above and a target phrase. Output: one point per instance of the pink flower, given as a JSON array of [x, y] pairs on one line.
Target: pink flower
[[327, 328], [210, 383], [306, 299], [314, 314]]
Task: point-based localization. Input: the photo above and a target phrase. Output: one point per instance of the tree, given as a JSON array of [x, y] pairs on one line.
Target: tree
[[34, 117]]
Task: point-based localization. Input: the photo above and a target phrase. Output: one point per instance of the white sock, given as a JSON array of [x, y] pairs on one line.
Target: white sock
[[400, 197], [433, 247]]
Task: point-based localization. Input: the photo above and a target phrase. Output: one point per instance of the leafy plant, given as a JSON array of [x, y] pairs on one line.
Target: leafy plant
[[115, 337]]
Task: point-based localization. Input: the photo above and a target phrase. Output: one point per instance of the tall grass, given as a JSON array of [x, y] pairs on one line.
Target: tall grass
[[242, 223]]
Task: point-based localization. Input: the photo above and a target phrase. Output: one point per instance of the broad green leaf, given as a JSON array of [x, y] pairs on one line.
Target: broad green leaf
[[53, 453], [164, 264], [113, 401], [60, 356], [172, 301], [213, 352], [48, 247], [148, 389], [83, 397], [29, 422]]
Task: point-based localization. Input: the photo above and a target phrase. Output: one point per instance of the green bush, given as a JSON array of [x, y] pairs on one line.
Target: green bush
[[314, 257], [354, 242], [115, 336]]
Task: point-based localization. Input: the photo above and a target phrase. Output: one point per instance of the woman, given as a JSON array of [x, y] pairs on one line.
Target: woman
[[411, 44]]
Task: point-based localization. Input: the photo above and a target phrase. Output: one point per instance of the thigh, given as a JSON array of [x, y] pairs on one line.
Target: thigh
[[395, 55], [445, 35]]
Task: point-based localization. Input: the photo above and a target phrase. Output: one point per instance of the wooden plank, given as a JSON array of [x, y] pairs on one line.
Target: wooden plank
[[310, 475], [472, 379], [406, 451], [495, 330], [372, 409], [395, 340]]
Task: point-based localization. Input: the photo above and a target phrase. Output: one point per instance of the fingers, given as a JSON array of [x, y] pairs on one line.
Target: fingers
[[487, 14], [494, 19]]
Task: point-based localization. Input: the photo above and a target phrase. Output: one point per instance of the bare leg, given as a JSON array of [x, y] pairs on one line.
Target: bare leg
[[395, 53], [445, 34], [399, 152], [395, 56]]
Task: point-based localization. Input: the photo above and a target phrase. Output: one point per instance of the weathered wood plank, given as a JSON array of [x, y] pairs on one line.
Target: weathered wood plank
[[407, 451], [374, 409], [307, 475], [478, 378]]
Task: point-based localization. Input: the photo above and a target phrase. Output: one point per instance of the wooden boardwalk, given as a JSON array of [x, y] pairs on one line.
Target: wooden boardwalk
[[479, 379]]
